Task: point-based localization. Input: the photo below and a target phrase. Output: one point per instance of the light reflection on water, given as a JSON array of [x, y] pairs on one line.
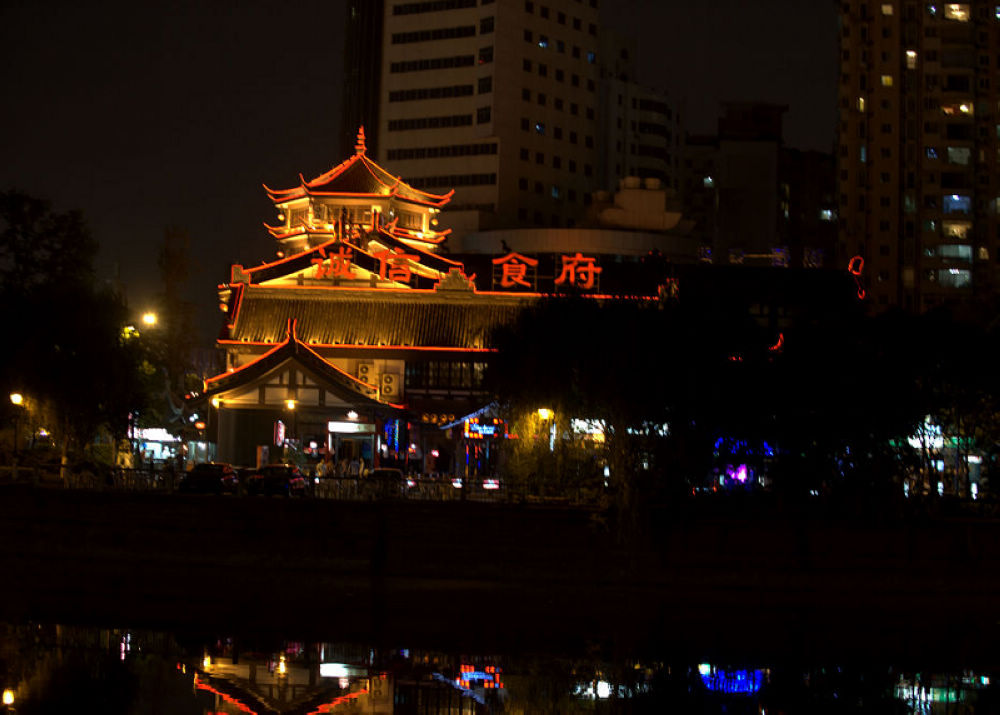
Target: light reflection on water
[[48, 668]]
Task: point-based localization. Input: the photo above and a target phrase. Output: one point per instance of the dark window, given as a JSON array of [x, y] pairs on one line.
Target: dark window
[[486, 26], [486, 84], [483, 115], [485, 54]]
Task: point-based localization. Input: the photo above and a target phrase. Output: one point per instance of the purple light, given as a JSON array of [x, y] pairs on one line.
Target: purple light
[[739, 474]]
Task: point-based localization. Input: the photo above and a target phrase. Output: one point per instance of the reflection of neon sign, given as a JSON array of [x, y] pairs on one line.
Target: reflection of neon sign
[[731, 682]]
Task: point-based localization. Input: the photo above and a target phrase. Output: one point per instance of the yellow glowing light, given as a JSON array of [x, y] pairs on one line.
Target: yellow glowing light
[[149, 318], [216, 402], [207, 663], [199, 425], [352, 415], [16, 398], [290, 404], [8, 697], [282, 668], [544, 413]]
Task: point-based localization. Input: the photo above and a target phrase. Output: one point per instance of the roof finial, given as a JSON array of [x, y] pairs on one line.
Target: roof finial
[[360, 147]]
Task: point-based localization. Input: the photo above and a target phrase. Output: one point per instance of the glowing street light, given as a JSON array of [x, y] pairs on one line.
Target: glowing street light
[[150, 318], [8, 697], [544, 413], [16, 398], [290, 404]]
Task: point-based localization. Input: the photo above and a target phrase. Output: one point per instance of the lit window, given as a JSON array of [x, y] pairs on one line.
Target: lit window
[[956, 11], [953, 203], [864, 154], [555, 192], [911, 59], [931, 152], [958, 252], [543, 41], [959, 155], [932, 9], [539, 127], [887, 80], [861, 104], [827, 215], [591, 57], [998, 12], [886, 8], [954, 277], [956, 229], [708, 182]]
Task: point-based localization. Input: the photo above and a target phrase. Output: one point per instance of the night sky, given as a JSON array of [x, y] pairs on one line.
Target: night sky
[[154, 114]]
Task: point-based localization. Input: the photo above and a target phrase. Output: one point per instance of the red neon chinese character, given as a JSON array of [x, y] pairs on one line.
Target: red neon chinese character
[[579, 270], [394, 265], [318, 262], [340, 263], [514, 268]]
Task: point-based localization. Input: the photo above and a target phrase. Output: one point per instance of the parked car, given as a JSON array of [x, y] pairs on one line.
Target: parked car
[[278, 480], [210, 478]]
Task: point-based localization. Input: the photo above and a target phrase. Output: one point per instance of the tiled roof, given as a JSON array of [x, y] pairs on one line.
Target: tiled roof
[[372, 317], [358, 175], [292, 349]]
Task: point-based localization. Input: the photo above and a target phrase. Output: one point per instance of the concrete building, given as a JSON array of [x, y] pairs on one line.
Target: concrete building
[[752, 200], [522, 107], [918, 142]]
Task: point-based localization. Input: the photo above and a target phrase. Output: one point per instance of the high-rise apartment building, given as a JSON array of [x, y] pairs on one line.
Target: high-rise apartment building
[[918, 143], [508, 103]]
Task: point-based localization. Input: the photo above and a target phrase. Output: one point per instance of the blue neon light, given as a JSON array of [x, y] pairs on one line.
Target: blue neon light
[[733, 682]]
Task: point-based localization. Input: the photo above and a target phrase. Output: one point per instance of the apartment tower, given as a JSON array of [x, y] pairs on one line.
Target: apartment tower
[[917, 154]]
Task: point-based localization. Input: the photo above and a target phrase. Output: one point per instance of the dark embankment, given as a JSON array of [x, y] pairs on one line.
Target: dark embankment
[[504, 577]]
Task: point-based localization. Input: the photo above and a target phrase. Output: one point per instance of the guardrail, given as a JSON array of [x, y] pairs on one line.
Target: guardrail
[[364, 488]]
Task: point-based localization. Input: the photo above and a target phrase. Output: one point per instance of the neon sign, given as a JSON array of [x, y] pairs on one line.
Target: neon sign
[[580, 271], [489, 429], [514, 270], [394, 265], [338, 265], [854, 267], [730, 682]]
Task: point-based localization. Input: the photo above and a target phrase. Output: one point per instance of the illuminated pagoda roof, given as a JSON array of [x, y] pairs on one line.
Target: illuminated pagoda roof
[[429, 267], [291, 350], [446, 319], [358, 177]]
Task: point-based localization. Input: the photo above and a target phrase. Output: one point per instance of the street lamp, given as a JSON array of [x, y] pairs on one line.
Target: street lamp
[[16, 399], [150, 318], [8, 696]]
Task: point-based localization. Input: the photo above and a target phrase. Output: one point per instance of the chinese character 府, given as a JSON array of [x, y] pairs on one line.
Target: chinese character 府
[[579, 270]]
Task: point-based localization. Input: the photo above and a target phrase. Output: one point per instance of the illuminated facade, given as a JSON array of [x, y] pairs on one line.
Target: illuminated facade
[[360, 333], [918, 147]]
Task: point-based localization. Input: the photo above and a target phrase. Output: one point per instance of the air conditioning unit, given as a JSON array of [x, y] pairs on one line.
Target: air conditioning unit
[[390, 384], [366, 372]]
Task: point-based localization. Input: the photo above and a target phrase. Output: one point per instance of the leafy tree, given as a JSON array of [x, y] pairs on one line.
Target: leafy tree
[[67, 352]]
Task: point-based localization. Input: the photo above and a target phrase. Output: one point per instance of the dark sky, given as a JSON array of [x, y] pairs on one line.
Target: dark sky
[[149, 114]]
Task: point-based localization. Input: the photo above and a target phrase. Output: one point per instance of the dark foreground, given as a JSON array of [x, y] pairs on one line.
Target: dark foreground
[[505, 577]]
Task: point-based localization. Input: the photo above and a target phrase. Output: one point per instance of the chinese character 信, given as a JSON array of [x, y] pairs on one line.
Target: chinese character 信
[[394, 265]]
